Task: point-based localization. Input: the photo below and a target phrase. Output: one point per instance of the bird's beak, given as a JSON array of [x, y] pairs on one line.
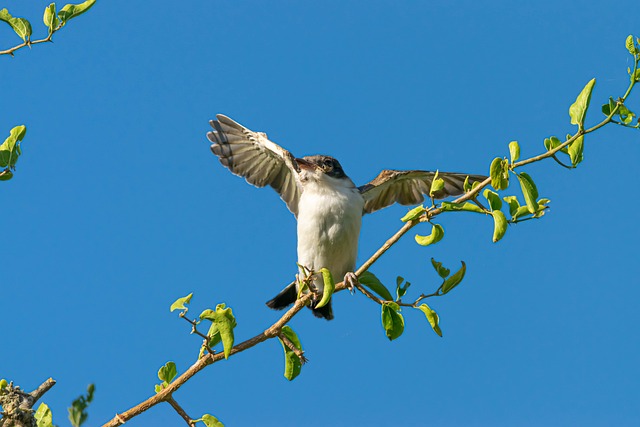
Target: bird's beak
[[305, 164]]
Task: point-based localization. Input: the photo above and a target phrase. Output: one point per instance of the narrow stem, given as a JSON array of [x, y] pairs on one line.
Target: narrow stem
[[27, 43], [368, 294], [190, 422], [291, 346]]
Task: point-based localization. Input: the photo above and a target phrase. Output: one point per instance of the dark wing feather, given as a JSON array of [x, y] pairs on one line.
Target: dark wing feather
[[410, 187], [260, 161]]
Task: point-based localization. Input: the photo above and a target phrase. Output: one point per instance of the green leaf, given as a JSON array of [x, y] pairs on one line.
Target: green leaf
[[303, 287], [43, 416], [214, 339], [5, 16], [520, 212], [392, 321], [442, 272], [466, 186], [636, 76], [513, 203], [414, 213], [499, 172], [179, 304], [210, 421], [224, 322], [401, 290], [575, 150], [21, 26], [529, 191], [6, 175], [432, 317], [499, 225], [609, 107], [540, 213], [168, 372], [50, 18], [631, 47], [626, 115], [10, 148], [466, 206], [514, 151], [578, 109], [437, 233], [70, 11], [3, 383], [553, 142], [369, 280], [292, 363], [329, 287], [78, 411], [437, 184], [495, 203], [454, 280], [495, 170]]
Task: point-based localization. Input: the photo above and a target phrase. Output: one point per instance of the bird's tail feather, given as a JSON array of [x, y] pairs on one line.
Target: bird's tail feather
[[325, 312], [285, 298], [289, 295]]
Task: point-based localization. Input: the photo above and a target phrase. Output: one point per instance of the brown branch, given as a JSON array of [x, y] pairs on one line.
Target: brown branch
[[17, 405], [368, 294], [190, 421], [41, 390], [209, 359], [271, 332], [32, 42], [275, 329], [27, 43]]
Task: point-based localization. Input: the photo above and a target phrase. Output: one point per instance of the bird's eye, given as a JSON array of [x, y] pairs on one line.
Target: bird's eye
[[327, 164]]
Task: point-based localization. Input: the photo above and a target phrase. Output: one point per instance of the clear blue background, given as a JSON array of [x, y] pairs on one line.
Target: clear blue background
[[118, 207]]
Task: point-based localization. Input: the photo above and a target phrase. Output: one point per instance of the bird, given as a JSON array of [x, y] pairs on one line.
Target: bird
[[327, 205]]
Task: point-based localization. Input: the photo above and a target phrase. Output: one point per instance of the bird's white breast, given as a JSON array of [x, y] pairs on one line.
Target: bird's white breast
[[329, 220]]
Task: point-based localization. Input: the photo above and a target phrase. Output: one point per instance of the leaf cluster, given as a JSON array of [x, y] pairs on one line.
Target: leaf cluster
[[10, 150], [78, 410], [52, 20], [391, 310]]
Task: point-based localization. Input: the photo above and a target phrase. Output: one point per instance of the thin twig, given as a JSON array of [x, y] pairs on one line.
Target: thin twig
[[27, 43], [190, 422], [368, 294], [41, 390], [194, 329], [293, 348], [423, 296]]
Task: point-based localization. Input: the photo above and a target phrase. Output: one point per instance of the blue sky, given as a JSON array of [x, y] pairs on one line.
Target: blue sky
[[118, 207]]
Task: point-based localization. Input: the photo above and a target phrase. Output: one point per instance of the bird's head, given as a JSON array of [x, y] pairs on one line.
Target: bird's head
[[319, 165], [321, 168]]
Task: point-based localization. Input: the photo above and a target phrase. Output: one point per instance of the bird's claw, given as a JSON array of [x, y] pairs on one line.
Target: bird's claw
[[350, 281]]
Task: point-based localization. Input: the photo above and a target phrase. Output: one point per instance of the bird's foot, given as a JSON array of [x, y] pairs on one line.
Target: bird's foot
[[350, 281]]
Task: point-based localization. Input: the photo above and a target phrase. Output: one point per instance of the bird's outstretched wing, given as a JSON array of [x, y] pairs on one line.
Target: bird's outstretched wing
[[410, 187], [260, 161]]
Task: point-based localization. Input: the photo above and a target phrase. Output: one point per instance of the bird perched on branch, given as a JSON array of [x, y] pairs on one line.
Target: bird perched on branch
[[326, 203]]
